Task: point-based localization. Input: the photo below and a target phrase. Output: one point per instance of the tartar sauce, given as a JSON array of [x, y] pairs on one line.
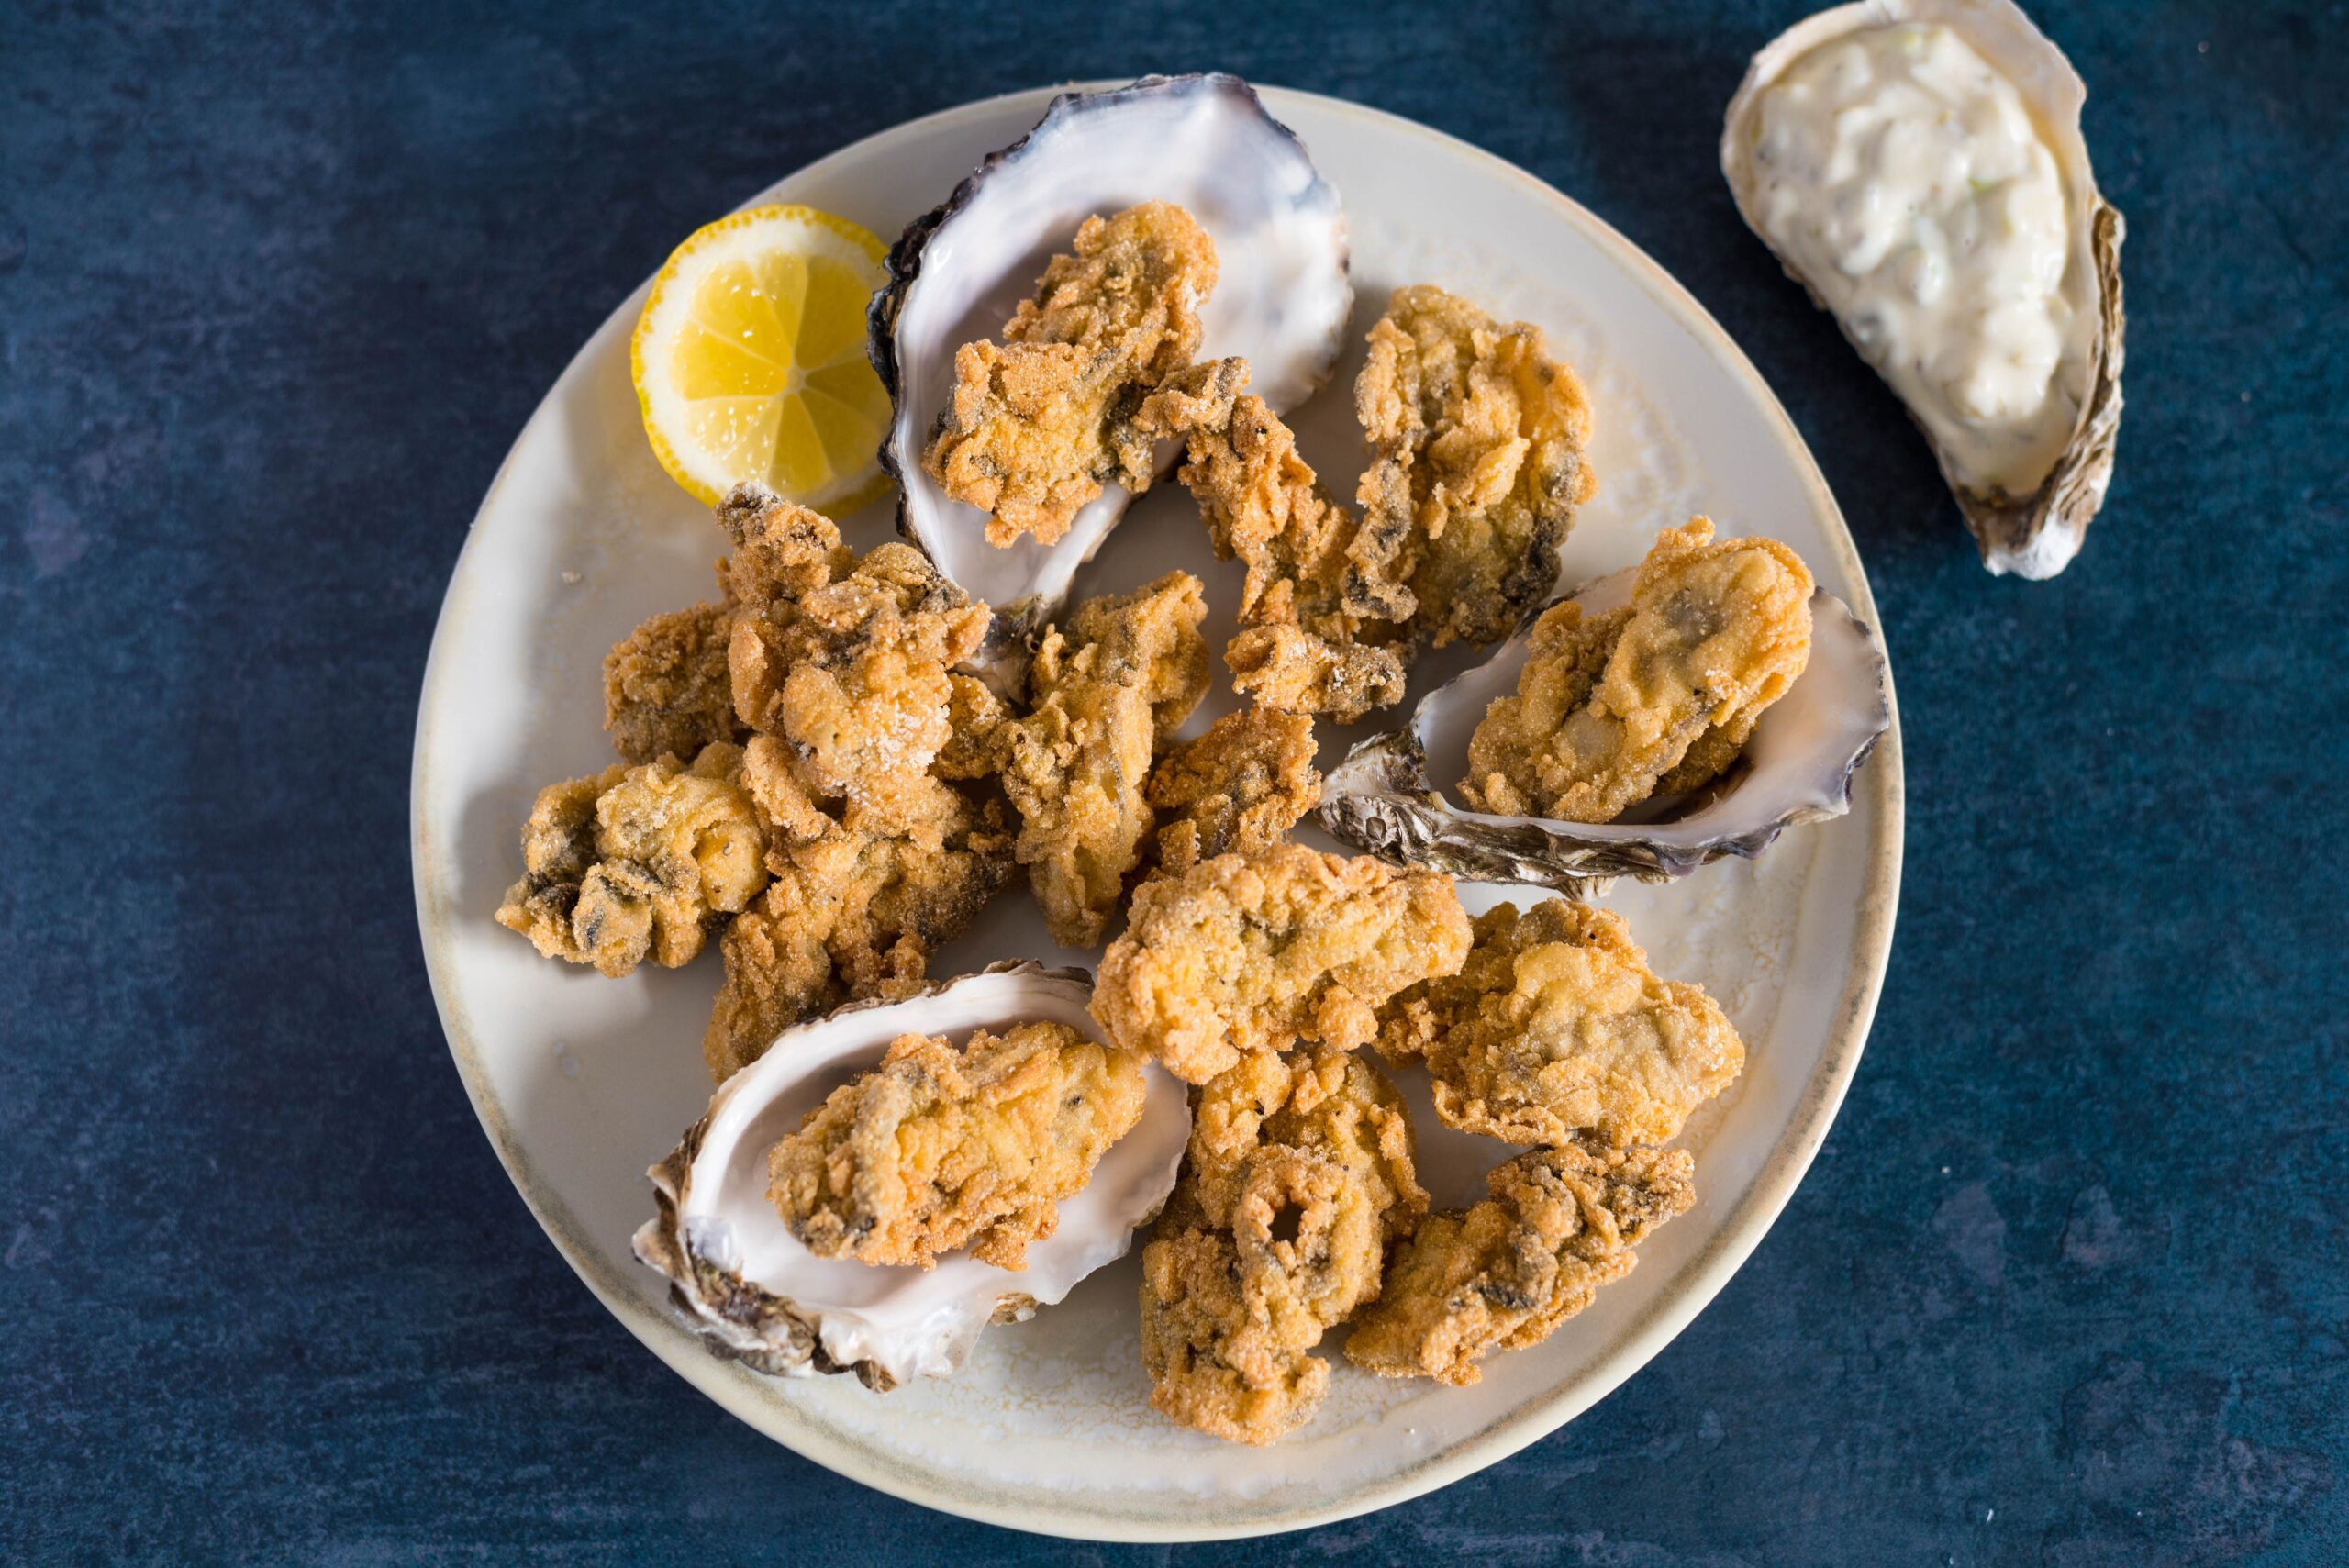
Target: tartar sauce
[[1905, 178]]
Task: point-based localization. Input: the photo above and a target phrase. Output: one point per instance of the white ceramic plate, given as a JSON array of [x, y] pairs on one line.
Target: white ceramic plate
[[581, 1081]]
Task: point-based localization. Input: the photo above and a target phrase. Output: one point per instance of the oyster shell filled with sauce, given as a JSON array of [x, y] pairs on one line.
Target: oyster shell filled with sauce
[[1919, 167]]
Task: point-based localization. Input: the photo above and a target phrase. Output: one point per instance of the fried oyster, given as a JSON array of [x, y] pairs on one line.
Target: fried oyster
[[861, 895], [843, 668], [1238, 787], [666, 689], [1655, 698], [854, 672], [1504, 1275], [1334, 1105], [1315, 637], [1230, 1315], [1556, 1032], [1230, 1310], [781, 551], [1263, 951], [1040, 421], [1478, 440], [668, 685], [940, 1148], [637, 861], [1103, 690]]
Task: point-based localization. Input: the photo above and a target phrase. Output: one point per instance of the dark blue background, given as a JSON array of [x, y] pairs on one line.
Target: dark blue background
[[277, 287]]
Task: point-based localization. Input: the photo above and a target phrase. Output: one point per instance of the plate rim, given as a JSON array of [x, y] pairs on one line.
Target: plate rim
[[1784, 1167]]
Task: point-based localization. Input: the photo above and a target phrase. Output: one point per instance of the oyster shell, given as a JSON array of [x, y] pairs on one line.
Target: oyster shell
[[755, 1294], [1205, 143], [2032, 532], [1797, 767]]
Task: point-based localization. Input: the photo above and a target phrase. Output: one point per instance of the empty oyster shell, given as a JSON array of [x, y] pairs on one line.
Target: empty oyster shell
[[1797, 767], [2031, 527], [755, 1294], [1206, 144]]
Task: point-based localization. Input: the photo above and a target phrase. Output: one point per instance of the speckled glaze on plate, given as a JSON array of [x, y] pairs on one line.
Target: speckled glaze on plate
[[581, 1081]]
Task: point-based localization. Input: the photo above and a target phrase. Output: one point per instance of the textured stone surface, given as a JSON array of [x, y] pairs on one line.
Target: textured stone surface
[[277, 286]]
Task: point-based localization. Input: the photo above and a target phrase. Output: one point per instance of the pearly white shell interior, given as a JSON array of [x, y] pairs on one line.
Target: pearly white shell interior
[[1797, 761], [1281, 298], [911, 1321]]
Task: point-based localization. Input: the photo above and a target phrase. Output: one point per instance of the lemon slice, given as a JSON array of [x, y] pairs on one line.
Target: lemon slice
[[750, 360]]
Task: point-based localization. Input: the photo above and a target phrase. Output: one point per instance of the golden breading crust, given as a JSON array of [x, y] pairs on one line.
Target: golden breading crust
[[1315, 637], [939, 1148], [1556, 1032], [782, 551], [1148, 638], [1039, 423], [1228, 1314], [861, 896], [1102, 691], [839, 806], [1239, 787], [667, 690], [1263, 951], [1336, 1105], [1229, 1310], [668, 687], [637, 861], [1610, 709], [1504, 1275], [1478, 440], [975, 717], [854, 672]]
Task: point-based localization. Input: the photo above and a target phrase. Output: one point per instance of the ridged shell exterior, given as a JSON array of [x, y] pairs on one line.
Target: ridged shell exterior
[[2033, 536]]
